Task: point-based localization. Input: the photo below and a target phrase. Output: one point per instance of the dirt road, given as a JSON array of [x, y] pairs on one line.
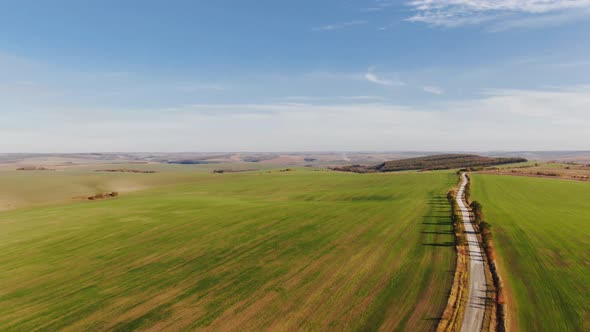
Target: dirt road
[[476, 304]]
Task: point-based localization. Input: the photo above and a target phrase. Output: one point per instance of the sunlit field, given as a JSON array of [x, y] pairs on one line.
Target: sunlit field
[[542, 232], [281, 250]]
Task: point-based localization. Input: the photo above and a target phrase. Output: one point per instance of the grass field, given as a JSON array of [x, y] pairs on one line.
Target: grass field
[[542, 232], [28, 188], [310, 250]]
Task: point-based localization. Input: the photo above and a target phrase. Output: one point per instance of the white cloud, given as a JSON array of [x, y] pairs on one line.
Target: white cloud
[[339, 26], [499, 120], [379, 5], [540, 21], [433, 89], [529, 6], [515, 13], [373, 78], [40, 115]]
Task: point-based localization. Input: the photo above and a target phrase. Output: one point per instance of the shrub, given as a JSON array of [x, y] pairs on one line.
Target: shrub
[[501, 298], [460, 239]]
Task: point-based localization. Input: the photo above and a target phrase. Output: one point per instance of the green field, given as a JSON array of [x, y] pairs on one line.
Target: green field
[[542, 233], [28, 188], [312, 250]]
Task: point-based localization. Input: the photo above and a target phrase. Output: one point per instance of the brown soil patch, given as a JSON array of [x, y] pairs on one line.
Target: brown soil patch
[[511, 321], [125, 170], [103, 196], [6, 204], [553, 171]]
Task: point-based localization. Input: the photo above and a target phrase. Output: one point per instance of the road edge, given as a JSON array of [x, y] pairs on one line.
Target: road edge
[[453, 314]]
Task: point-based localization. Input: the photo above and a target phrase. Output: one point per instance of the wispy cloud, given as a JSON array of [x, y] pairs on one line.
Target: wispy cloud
[[379, 5], [318, 126], [433, 89], [339, 26], [505, 14], [373, 78], [540, 21]]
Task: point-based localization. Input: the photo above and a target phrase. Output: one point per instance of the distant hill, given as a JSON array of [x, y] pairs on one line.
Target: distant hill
[[443, 161]]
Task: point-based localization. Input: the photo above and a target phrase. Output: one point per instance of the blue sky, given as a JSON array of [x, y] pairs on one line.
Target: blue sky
[[294, 75]]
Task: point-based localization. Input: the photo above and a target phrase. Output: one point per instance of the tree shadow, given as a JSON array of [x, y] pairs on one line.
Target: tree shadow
[[438, 232], [436, 319], [438, 223], [443, 244], [438, 226]]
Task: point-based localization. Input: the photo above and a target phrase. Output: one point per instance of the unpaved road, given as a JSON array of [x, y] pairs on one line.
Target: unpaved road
[[476, 304]]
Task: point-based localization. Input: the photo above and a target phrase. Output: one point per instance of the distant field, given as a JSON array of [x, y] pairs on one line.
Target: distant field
[[554, 170], [26, 188], [542, 232], [283, 250]]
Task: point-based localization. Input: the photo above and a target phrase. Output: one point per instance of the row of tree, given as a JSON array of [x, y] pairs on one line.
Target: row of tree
[[460, 236], [453, 314], [485, 229]]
